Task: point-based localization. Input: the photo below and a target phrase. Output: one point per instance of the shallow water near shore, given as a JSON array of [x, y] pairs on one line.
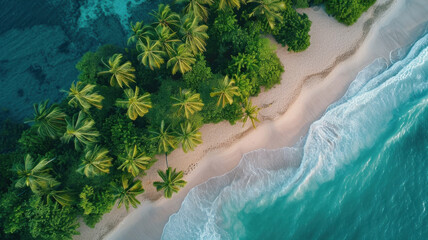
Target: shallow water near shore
[[360, 173]]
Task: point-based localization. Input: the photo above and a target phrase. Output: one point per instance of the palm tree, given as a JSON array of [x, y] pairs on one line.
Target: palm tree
[[151, 54], [83, 96], [223, 4], [269, 9], [196, 8], [171, 182], [48, 121], [63, 197], [134, 161], [95, 162], [187, 103], [35, 176], [194, 35], [163, 138], [127, 191], [81, 130], [245, 62], [137, 105], [166, 39], [250, 112], [139, 31], [120, 74], [182, 60], [166, 18], [225, 92], [189, 136]]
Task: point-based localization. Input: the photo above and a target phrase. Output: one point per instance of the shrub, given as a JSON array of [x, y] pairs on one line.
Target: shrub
[[270, 68], [294, 31], [200, 73], [347, 11], [94, 204], [90, 65]]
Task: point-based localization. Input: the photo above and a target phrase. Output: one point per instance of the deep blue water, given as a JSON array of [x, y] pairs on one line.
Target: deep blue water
[[42, 40], [360, 173]]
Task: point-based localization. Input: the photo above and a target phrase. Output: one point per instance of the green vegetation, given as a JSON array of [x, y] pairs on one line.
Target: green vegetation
[[171, 182], [203, 64], [345, 11]]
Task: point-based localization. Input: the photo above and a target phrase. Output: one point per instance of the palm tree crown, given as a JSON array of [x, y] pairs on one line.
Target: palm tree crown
[[95, 162], [48, 121], [171, 182], [268, 9], [225, 92], [82, 95], [137, 105], [139, 31], [151, 55], [163, 138], [223, 4], [127, 191], [250, 112], [197, 8], [166, 18], [194, 35], [166, 39], [189, 136], [182, 60], [35, 176], [134, 162], [187, 103], [63, 197], [81, 129], [120, 74]]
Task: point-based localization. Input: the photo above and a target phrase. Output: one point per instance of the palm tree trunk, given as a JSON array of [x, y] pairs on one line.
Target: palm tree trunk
[[166, 159]]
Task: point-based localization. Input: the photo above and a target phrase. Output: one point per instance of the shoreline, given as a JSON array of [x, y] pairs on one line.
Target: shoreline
[[287, 111]]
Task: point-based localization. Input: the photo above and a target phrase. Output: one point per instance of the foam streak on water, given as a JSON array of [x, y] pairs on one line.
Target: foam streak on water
[[355, 176]]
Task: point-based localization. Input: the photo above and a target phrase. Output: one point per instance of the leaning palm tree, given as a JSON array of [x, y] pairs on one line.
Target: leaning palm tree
[[151, 54], [187, 103], [163, 138], [35, 176], [81, 131], [225, 92], [171, 182], [189, 136], [166, 18], [95, 162], [223, 4], [250, 112], [197, 8], [166, 39], [270, 10], [126, 191], [182, 60], [49, 121], [136, 105], [134, 161], [120, 74], [194, 35], [82, 95]]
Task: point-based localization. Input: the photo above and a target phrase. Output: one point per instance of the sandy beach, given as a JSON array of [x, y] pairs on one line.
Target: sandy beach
[[312, 80]]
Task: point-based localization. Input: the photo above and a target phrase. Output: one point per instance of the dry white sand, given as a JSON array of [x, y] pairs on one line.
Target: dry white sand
[[312, 80]]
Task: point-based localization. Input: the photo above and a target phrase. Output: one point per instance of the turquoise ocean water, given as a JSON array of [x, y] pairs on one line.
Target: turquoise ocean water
[[360, 173]]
